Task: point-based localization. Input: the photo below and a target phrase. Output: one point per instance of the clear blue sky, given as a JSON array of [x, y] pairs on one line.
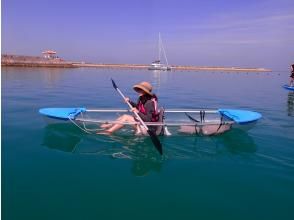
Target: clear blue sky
[[249, 33]]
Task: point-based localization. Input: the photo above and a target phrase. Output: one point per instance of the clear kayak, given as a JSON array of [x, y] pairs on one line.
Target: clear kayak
[[174, 121]]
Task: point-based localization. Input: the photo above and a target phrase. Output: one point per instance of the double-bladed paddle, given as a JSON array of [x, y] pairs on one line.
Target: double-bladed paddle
[[152, 135]]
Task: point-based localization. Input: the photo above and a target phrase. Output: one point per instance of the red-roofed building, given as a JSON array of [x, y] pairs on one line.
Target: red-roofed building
[[49, 54]]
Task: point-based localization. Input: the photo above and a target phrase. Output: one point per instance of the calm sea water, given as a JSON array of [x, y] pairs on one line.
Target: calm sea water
[[59, 172]]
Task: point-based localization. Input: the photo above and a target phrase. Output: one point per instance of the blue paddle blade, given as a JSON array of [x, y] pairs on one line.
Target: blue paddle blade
[[288, 87], [113, 84], [155, 141]]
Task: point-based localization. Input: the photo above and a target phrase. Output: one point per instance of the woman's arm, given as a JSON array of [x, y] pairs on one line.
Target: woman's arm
[[133, 104]]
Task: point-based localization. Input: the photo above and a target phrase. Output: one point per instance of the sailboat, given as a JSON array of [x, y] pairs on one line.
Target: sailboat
[[156, 65]]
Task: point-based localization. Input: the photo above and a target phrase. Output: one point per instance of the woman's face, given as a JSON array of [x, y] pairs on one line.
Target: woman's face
[[140, 92]]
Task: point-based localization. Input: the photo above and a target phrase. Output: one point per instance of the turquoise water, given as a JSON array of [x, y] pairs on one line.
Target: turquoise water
[[59, 172]]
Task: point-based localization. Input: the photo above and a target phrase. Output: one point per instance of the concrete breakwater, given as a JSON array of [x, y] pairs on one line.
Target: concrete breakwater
[[34, 61], [221, 69], [179, 68]]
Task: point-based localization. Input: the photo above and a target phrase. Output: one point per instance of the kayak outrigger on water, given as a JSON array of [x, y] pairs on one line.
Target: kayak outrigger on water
[[169, 121]]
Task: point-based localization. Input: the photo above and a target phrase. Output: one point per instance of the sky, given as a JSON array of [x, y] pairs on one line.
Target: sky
[[247, 33]]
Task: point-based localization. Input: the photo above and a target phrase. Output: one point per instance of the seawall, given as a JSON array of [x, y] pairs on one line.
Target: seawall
[[179, 68], [34, 61]]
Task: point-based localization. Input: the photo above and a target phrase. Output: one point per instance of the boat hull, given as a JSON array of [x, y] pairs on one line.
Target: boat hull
[[162, 68]]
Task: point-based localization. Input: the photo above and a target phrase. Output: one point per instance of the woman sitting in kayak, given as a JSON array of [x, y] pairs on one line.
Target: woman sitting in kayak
[[146, 107]]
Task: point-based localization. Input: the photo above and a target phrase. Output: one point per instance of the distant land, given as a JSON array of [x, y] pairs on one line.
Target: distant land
[[38, 61]]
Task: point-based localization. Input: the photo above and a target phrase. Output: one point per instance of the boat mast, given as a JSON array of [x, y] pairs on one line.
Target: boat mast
[[159, 46], [163, 50]]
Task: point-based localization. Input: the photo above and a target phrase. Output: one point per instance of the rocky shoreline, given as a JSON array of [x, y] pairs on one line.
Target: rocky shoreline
[[34, 61]]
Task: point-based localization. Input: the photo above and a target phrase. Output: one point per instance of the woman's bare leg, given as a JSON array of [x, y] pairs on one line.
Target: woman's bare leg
[[106, 125], [122, 119]]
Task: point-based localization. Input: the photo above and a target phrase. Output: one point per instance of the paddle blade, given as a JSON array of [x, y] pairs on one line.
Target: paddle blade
[[113, 84], [155, 141]]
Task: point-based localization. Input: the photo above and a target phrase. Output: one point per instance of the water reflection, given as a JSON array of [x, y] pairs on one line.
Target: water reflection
[[159, 77], [53, 75], [140, 151], [290, 104], [67, 138], [61, 137], [50, 75], [145, 159], [235, 141]]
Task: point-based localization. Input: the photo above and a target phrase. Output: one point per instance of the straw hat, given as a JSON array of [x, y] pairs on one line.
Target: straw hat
[[145, 86]]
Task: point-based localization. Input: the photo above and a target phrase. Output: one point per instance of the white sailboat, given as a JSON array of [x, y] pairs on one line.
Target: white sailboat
[[157, 65]]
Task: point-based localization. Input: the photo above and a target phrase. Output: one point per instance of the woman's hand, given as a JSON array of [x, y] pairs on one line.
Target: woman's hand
[[134, 110], [127, 99]]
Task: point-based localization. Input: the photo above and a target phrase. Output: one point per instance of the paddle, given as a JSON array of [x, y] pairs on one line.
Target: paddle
[[152, 135]]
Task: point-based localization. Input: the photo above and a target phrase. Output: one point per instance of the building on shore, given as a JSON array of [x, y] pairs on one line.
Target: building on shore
[[50, 54]]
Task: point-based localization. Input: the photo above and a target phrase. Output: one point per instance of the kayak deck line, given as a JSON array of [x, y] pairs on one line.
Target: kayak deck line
[[236, 115], [166, 110]]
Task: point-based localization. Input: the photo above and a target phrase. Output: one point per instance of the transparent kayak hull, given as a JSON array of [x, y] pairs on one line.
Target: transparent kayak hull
[[176, 121]]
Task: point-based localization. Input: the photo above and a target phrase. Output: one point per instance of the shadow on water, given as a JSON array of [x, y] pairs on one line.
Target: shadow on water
[[234, 142], [66, 138], [237, 141], [290, 103], [61, 137], [140, 151]]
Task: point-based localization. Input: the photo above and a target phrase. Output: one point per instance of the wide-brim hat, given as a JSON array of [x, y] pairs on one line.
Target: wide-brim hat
[[145, 86]]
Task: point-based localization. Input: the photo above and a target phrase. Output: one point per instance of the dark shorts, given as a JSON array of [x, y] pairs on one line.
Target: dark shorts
[[292, 75]]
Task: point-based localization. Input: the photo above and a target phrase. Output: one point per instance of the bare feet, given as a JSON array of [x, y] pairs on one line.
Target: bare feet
[[105, 126], [106, 132]]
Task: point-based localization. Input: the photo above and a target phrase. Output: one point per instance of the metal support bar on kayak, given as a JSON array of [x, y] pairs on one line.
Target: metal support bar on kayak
[[211, 122], [166, 111]]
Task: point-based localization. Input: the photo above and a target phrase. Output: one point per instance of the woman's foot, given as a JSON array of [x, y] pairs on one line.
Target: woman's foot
[[138, 132], [105, 126], [106, 132]]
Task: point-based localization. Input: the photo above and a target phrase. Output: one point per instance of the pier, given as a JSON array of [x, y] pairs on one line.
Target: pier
[[179, 68], [35, 61]]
